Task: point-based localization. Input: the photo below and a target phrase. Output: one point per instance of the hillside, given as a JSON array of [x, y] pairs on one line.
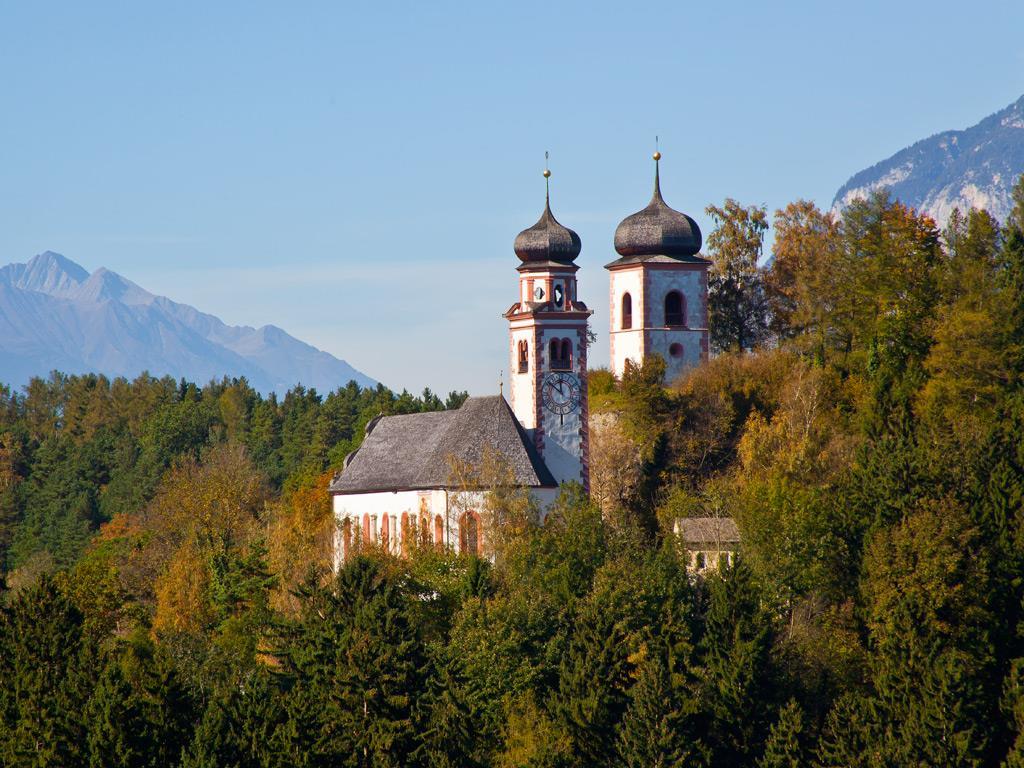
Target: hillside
[[975, 167], [55, 315]]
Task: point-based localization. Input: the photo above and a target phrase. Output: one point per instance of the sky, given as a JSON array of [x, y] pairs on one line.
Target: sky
[[356, 173]]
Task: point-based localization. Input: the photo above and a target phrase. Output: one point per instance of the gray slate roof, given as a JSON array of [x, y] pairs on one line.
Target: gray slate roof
[[547, 241], [658, 230], [413, 452], [717, 531]]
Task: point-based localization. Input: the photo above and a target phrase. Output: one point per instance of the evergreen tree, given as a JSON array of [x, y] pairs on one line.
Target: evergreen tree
[[592, 681], [243, 726], [47, 678], [139, 714], [357, 656], [738, 687], [658, 730], [785, 746], [447, 739]]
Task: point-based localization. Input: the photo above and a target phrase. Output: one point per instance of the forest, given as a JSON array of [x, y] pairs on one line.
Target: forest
[[167, 597]]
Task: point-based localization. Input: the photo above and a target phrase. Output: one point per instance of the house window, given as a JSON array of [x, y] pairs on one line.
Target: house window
[[524, 356], [627, 311], [674, 309]]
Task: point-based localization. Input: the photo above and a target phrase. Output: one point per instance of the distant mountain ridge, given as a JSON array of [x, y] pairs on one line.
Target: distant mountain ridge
[[976, 167], [56, 315]]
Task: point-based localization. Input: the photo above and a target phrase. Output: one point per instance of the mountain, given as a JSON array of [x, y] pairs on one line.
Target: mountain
[[976, 167], [55, 315]]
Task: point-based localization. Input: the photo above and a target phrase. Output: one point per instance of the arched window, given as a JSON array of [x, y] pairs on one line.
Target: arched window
[[385, 531], [627, 311], [424, 521], [346, 538], [439, 531], [560, 351], [367, 533], [674, 306], [524, 356], [469, 533]]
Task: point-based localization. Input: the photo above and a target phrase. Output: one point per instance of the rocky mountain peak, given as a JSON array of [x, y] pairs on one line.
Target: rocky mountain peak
[[975, 167]]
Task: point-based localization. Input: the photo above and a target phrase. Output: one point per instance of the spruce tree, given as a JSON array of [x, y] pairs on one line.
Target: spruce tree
[[785, 747], [49, 677], [358, 659], [658, 730], [592, 682], [139, 714], [243, 727], [738, 687], [449, 719]]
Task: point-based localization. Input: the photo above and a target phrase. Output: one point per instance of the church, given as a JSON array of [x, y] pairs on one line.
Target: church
[[400, 486]]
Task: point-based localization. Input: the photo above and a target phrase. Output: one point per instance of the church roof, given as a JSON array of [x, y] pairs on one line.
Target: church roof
[[547, 242], [716, 531], [413, 452], [657, 230]]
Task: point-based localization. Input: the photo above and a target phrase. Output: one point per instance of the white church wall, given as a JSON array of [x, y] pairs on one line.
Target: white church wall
[[450, 505], [661, 341], [521, 385], [688, 282], [626, 344]]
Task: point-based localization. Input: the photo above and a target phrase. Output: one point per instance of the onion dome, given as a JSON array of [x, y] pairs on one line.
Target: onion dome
[[547, 240], [658, 230]]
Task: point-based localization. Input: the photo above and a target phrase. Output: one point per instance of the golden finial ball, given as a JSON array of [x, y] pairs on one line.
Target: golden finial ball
[[547, 174], [657, 155]]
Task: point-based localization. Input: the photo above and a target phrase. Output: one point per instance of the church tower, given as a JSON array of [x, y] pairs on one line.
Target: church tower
[[548, 347], [659, 288]]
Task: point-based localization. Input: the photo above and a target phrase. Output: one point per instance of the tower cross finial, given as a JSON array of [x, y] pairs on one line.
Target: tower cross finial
[[657, 167], [547, 179]]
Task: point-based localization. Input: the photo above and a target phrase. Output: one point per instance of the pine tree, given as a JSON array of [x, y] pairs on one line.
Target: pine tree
[[785, 747], [738, 687], [447, 739], [48, 679], [138, 715], [850, 736], [358, 658], [243, 727], [657, 730], [592, 681], [926, 591]]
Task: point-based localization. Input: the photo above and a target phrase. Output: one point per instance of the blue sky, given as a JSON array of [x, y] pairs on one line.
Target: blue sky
[[356, 172]]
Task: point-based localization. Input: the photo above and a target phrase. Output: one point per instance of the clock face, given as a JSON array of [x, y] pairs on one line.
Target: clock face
[[538, 293], [561, 393]]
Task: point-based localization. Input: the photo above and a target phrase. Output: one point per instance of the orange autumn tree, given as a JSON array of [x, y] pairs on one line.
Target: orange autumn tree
[[200, 512], [300, 538]]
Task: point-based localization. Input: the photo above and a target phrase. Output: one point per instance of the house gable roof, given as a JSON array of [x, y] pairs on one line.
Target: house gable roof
[[702, 531], [415, 451]]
